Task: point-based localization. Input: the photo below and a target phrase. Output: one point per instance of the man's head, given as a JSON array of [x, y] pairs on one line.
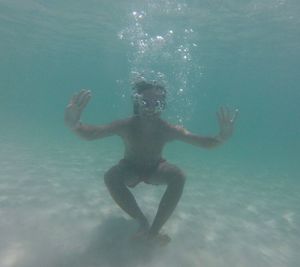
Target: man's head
[[149, 99]]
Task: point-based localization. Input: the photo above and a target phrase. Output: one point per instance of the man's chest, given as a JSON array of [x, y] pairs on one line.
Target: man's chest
[[145, 139]]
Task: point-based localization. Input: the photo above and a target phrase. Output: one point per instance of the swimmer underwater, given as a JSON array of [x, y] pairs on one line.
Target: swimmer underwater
[[144, 135]]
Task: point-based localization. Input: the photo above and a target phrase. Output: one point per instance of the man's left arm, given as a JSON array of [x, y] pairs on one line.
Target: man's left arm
[[226, 123]]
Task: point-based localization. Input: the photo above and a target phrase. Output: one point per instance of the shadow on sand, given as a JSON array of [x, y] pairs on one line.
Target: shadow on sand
[[112, 246]]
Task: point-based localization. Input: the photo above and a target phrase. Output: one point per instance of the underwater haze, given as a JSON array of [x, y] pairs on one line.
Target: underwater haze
[[241, 204]]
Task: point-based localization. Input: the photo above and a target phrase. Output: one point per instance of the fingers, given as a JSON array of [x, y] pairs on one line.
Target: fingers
[[84, 99], [223, 115], [220, 116], [74, 99], [235, 115], [226, 116], [81, 98]]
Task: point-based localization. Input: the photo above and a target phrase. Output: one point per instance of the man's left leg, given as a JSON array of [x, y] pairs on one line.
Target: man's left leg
[[174, 178]]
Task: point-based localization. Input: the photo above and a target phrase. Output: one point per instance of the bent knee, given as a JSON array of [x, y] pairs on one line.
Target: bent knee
[[112, 177], [177, 178], [180, 178]]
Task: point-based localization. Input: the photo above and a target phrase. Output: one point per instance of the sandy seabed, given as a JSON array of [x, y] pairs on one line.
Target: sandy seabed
[[56, 211]]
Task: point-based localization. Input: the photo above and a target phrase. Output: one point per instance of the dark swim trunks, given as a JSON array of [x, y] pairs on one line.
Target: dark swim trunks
[[142, 171]]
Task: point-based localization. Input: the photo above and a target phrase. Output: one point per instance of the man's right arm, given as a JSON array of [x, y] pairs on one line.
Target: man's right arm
[[92, 132], [89, 132]]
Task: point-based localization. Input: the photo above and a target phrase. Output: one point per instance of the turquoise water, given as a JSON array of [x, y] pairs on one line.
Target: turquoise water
[[240, 205]]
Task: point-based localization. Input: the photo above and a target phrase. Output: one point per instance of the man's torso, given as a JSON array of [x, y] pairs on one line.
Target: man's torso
[[144, 142]]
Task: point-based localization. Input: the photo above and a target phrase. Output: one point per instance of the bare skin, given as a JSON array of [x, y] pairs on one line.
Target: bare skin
[[144, 136]]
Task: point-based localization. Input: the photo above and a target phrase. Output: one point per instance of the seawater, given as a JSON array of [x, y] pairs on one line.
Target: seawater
[[240, 205]]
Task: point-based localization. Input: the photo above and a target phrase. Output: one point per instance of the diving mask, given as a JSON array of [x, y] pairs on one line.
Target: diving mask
[[150, 105]]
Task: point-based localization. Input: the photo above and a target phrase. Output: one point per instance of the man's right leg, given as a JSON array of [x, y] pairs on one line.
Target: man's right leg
[[115, 181]]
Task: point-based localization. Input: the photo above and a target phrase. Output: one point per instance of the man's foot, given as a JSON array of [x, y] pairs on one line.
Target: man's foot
[[159, 239], [153, 240], [142, 231]]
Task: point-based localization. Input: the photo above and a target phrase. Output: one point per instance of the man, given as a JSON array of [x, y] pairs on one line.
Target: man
[[144, 135]]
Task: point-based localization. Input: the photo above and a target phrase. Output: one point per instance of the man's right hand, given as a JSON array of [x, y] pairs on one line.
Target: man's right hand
[[75, 107]]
